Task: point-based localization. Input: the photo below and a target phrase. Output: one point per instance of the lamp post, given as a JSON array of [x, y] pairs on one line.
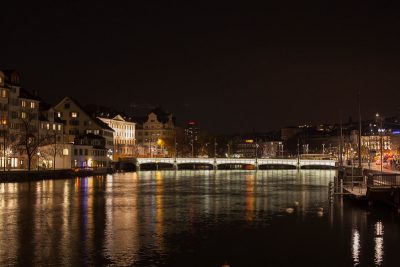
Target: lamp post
[[4, 125], [38, 154], [4, 150], [298, 152], [215, 149], [380, 130], [192, 144], [175, 146]]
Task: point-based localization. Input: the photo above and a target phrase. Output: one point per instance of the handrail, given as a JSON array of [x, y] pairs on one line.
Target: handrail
[[383, 180]]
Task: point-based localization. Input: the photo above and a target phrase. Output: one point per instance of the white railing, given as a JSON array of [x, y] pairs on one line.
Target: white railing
[[244, 161]]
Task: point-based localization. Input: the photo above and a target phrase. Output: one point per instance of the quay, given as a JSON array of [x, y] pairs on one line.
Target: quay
[[370, 184]]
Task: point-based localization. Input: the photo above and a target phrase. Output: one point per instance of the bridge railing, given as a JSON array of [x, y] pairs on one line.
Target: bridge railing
[[383, 180]]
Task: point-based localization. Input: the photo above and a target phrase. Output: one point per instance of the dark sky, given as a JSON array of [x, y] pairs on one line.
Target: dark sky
[[234, 68]]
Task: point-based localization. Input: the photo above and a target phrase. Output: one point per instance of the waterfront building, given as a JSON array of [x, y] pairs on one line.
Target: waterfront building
[[19, 118], [124, 136], [155, 133], [52, 150], [51, 127], [55, 156], [89, 151], [78, 122]]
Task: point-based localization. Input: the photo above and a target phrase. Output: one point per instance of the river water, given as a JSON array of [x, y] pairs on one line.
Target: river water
[[193, 218]]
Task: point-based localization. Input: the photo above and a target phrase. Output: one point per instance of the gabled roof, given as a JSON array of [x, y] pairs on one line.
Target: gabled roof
[[11, 76], [23, 93], [162, 116], [119, 118], [96, 120]]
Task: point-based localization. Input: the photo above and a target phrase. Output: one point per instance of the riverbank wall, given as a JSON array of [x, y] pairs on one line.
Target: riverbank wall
[[37, 175]]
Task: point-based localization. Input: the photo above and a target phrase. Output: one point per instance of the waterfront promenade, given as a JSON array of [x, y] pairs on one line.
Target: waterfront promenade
[[373, 184]]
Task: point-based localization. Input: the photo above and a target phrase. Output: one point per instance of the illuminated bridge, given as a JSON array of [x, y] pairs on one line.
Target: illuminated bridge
[[256, 163]]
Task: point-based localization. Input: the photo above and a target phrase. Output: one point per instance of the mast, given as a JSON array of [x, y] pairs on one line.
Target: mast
[[340, 143], [359, 131]]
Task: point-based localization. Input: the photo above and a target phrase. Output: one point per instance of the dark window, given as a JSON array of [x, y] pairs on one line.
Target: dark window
[[75, 151], [80, 152], [86, 152], [66, 105], [74, 122]]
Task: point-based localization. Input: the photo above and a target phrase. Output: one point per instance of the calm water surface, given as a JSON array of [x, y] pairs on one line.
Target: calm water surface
[[193, 218]]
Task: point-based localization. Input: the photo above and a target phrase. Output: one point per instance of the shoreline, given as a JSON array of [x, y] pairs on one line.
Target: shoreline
[[37, 175]]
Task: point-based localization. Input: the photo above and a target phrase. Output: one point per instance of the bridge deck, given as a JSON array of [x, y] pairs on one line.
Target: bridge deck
[[243, 161]]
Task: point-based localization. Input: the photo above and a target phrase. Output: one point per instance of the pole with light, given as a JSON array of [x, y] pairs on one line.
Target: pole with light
[[380, 130], [4, 124]]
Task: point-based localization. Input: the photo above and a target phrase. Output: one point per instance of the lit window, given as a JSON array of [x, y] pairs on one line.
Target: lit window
[[59, 127], [3, 92], [32, 104], [23, 103], [23, 115], [59, 114], [65, 152], [54, 127], [47, 126], [74, 114]]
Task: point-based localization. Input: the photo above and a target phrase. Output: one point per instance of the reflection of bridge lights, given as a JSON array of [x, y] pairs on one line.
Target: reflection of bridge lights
[[378, 243], [355, 242], [379, 228]]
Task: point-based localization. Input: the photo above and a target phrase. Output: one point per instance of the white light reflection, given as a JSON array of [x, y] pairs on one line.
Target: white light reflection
[[355, 242], [378, 243]]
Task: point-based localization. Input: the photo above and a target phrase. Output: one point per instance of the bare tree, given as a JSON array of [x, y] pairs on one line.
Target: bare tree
[[51, 148], [27, 139]]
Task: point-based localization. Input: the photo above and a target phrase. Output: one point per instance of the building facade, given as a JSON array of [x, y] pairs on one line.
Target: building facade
[[155, 134], [78, 122], [19, 121], [124, 137]]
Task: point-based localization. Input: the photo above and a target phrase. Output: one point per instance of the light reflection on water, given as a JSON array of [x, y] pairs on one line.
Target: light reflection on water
[[173, 217], [356, 246]]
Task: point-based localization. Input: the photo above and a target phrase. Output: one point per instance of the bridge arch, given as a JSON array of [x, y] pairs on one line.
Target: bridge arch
[[277, 166]]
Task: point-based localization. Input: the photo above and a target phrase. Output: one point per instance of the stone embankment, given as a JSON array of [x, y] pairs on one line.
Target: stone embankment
[[37, 175]]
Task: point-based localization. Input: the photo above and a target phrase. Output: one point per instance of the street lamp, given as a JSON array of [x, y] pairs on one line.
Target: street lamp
[[298, 152], [4, 125], [192, 144], [215, 148], [380, 130], [38, 154]]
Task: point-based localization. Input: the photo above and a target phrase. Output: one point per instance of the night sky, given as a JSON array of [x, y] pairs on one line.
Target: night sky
[[233, 68]]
